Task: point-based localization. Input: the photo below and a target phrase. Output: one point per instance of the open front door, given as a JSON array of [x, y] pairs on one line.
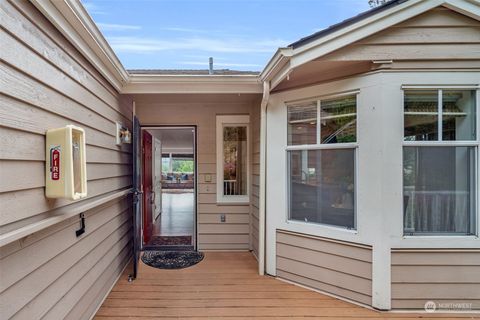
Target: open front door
[[157, 178], [148, 200], [137, 195]]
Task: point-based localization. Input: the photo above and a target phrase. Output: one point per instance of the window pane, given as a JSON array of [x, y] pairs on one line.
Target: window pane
[[421, 115], [235, 160], [439, 190], [165, 165], [302, 123], [339, 120], [321, 186], [182, 165], [459, 115]]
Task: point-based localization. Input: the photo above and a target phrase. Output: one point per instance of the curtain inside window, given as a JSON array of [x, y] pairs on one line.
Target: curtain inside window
[[439, 189]]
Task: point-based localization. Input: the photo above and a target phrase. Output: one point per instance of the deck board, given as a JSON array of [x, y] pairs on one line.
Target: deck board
[[226, 285]]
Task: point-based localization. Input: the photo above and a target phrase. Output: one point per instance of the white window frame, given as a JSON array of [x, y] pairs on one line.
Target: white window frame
[[451, 143], [231, 121], [325, 146]]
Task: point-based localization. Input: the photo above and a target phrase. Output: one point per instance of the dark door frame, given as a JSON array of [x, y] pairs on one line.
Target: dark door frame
[[195, 163], [137, 196]]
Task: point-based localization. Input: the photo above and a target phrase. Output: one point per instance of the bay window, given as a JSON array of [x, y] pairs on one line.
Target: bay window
[[232, 158], [321, 152], [440, 162]]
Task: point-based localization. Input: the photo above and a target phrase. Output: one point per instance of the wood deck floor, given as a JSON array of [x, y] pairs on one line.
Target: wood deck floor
[[226, 285]]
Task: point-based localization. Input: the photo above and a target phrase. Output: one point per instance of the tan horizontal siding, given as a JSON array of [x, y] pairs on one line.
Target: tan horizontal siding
[[337, 267], [12, 175], [46, 35], [223, 208], [35, 202], [437, 34], [48, 247], [230, 228], [334, 247], [31, 146], [27, 117], [230, 217], [39, 60], [439, 17], [46, 83], [442, 276], [39, 265]]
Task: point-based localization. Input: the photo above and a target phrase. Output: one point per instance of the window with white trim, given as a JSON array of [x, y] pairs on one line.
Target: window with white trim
[[233, 154], [321, 151], [440, 162]]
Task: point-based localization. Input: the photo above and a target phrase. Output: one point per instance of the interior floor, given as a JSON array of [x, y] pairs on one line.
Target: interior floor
[[174, 226]]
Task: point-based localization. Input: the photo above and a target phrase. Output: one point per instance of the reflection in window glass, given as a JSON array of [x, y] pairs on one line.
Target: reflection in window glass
[[458, 115], [235, 160], [302, 123], [421, 115], [439, 190], [339, 120], [321, 186]]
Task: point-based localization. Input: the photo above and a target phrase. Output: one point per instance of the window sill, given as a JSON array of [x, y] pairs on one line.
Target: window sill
[[441, 237], [322, 226]]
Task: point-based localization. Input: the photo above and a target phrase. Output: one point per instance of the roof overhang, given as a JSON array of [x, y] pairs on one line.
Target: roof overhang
[[178, 84], [73, 21], [287, 59]]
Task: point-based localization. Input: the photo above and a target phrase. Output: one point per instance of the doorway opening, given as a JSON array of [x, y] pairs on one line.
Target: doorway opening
[[169, 187]]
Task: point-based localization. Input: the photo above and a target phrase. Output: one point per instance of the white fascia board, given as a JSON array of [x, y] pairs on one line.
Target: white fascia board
[[280, 74], [470, 8], [193, 84], [278, 61], [73, 21]]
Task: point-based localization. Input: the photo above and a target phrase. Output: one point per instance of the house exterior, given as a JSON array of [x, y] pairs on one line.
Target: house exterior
[[362, 162]]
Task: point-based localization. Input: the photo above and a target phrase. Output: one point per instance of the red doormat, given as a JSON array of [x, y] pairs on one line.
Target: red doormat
[[170, 241]]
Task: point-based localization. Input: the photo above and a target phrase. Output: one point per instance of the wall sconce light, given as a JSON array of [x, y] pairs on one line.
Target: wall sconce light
[[123, 134]]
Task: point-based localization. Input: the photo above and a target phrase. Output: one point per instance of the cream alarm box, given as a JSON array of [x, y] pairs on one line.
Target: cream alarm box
[[66, 169]]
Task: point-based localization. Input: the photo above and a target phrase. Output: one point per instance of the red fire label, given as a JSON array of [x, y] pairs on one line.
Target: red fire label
[[55, 164]]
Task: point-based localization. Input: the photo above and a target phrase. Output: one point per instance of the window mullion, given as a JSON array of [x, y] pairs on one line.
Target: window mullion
[[319, 118], [440, 114]]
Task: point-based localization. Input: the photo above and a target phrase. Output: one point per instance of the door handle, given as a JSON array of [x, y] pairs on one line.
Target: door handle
[[137, 194], [152, 201]]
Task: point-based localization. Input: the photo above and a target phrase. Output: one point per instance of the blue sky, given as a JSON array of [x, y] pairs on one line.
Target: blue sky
[[238, 34]]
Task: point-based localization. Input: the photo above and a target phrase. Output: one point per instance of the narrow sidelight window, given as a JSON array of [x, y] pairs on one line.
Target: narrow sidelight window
[[440, 162], [232, 158], [321, 161]]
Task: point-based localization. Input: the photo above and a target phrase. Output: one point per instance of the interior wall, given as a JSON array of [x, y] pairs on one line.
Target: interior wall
[[201, 110], [50, 273]]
